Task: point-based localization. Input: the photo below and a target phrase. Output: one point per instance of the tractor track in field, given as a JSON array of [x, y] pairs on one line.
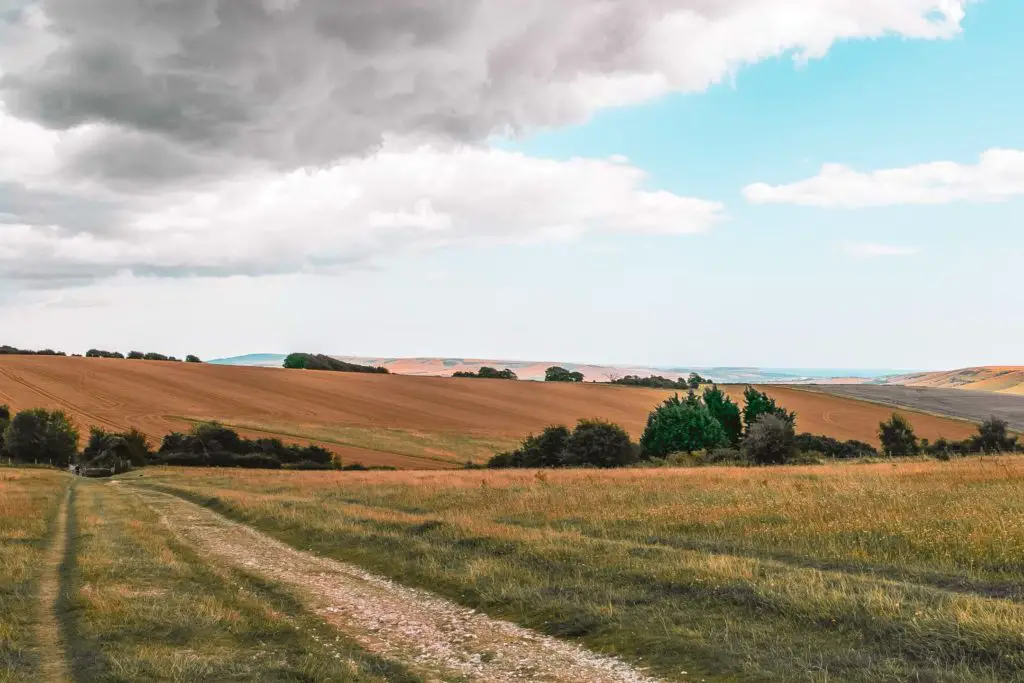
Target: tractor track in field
[[431, 634]]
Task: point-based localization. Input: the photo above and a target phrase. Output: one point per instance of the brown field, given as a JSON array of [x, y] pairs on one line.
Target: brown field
[[1006, 379], [407, 422]]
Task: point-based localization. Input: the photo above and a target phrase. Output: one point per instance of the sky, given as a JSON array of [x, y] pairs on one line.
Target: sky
[[772, 183]]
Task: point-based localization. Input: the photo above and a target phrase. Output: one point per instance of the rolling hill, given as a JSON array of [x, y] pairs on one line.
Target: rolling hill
[[1006, 379]]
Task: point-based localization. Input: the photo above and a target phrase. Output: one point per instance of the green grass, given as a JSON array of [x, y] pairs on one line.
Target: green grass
[[841, 572], [29, 500], [446, 447], [141, 606]]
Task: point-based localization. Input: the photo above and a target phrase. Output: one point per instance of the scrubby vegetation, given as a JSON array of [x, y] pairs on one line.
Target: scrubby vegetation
[[487, 373], [210, 444], [39, 436], [694, 382], [12, 351], [560, 374], [318, 361], [190, 358]]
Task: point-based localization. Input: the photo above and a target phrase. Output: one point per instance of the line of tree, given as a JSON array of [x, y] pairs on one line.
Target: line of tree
[[6, 350], [560, 374], [694, 382], [39, 436], [319, 361], [898, 440], [487, 373]]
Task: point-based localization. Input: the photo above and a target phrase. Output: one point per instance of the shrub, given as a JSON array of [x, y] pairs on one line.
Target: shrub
[[833, 448], [136, 355], [725, 456], [210, 444], [310, 361], [681, 426], [993, 437], [115, 452], [897, 437], [559, 374], [488, 373], [6, 350], [770, 441], [652, 382], [726, 412], [98, 353], [695, 380], [596, 443], [5, 419], [757, 403], [192, 359], [43, 436]]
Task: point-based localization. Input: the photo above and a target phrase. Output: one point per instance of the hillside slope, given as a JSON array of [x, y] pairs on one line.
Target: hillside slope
[[346, 412], [1007, 379]]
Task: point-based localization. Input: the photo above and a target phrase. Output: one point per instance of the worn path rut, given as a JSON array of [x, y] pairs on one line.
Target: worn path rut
[[53, 662], [431, 634]]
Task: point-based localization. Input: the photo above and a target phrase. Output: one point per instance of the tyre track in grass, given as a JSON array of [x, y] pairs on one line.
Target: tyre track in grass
[[53, 658], [427, 632]]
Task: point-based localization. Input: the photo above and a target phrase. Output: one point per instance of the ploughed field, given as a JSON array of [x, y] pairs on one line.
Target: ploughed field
[[382, 420], [975, 406]]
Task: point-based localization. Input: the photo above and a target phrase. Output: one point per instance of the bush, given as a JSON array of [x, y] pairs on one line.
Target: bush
[[559, 374], [833, 448], [136, 355], [725, 456], [5, 419], [757, 403], [6, 350], [310, 361], [98, 353], [596, 443], [726, 412], [652, 382], [210, 444], [993, 437], [41, 436], [897, 437], [488, 373], [770, 441], [192, 359], [681, 426]]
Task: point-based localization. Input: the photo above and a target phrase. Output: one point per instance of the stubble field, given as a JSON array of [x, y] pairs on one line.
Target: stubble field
[[397, 421]]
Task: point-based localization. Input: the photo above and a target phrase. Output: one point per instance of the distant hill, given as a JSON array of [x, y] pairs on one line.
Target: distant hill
[[534, 370], [1001, 379]]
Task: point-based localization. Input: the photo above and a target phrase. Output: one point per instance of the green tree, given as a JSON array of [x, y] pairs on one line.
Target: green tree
[[695, 380], [559, 374], [596, 443], [726, 412], [681, 425], [41, 436], [994, 437], [770, 441], [5, 419], [192, 359], [897, 436], [757, 403]]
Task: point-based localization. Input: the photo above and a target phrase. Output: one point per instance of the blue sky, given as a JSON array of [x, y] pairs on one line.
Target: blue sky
[[463, 251]]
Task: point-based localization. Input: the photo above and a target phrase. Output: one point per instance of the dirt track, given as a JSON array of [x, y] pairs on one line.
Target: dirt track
[[155, 396], [432, 634]]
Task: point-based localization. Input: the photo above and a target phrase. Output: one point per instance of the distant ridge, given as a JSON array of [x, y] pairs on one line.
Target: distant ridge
[[534, 370], [1005, 379]]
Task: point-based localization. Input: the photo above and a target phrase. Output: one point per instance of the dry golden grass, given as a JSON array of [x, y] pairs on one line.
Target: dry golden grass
[[839, 572], [29, 500]]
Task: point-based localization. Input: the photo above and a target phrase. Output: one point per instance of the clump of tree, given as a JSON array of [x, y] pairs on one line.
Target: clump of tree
[[726, 412], [99, 353], [39, 436], [210, 444], [652, 382], [993, 437], [190, 358], [139, 355], [757, 403], [593, 443], [319, 361], [897, 437], [6, 350], [487, 373], [834, 448], [107, 453], [681, 426], [560, 374]]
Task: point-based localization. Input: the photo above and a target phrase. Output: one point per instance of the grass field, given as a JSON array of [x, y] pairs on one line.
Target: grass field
[[29, 500], [904, 571], [396, 421]]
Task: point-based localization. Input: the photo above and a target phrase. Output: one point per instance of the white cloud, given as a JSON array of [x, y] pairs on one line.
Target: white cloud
[[872, 250], [998, 176]]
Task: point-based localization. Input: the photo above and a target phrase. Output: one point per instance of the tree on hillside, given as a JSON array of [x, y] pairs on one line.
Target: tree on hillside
[[994, 437], [487, 373], [757, 403], [41, 436], [5, 419], [726, 412], [770, 441], [192, 359], [677, 426], [559, 374], [596, 443], [695, 380], [897, 437]]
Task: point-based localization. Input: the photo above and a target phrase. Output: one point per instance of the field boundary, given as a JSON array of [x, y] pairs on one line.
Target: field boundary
[[885, 404]]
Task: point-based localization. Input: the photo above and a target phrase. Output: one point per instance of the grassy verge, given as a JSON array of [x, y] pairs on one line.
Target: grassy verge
[[29, 500], [447, 447], [862, 573], [143, 607]]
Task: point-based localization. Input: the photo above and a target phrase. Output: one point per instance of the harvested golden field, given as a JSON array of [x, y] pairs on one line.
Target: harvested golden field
[[1008, 379], [893, 571], [394, 420]]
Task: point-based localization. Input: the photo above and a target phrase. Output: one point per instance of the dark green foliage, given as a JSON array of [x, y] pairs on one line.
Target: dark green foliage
[[159, 356], [993, 437], [652, 382], [210, 444], [833, 448], [594, 443], [695, 380], [192, 359], [757, 403], [678, 426], [897, 437], [317, 361], [5, 419], [41, 436], [487, 373], [770, 441], [115, 452], [559, 374], [136, 355], [6, 350], [726, 412], [98, 353]]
